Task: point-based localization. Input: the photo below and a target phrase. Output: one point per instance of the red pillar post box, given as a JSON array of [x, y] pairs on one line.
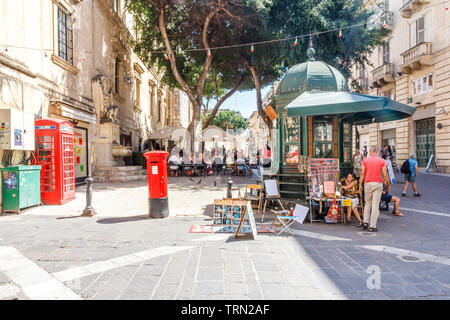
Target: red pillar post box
[[158, 203]]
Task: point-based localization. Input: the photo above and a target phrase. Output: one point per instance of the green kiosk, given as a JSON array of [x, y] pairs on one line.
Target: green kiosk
[[315, 114]]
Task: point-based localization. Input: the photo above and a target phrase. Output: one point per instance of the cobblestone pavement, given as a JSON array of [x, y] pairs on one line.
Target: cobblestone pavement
[[51, 252]]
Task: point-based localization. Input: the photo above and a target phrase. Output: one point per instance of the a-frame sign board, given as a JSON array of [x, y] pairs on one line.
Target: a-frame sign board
[[247, 216]]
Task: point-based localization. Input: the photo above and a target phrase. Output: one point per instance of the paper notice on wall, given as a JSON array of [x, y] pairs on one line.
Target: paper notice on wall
[[154, 169], [329, 187]]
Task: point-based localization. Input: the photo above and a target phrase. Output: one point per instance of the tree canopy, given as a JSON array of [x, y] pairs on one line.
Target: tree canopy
[[212, 48], [342, 48], [230, 119]]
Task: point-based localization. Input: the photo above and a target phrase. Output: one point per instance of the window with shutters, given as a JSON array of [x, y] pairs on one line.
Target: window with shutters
[[116, 76], [422, 85], [420, 30], [151, 90], [65, 36], [361, 71], [158, 106], [386, 53], [138, 92]]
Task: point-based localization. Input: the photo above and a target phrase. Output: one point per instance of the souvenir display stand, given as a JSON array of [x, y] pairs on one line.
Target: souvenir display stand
[[235, 215], [324, 191]]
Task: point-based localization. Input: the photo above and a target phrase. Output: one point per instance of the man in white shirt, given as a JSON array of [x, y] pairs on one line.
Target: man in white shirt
[[175, 159]]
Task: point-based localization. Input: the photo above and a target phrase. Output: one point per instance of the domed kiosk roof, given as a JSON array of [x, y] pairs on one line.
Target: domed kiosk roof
[[309, 76]]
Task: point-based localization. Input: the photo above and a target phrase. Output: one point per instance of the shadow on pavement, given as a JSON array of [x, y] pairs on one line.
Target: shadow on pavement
[[123, 219], [71, 217]]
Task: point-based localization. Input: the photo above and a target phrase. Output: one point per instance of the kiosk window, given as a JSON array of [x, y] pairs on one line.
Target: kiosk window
[[346, 142], [323, 138], [291, 148]]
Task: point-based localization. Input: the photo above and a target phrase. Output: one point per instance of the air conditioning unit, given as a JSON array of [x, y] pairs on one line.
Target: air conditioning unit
[[16, 130]]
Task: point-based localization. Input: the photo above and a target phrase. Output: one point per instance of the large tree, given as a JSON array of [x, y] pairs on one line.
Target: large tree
[[178, 35], [282, 19], [182, 33], [350, 43]]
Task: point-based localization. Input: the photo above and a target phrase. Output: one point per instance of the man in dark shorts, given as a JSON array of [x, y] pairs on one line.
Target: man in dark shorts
[[411, 177], [385, 196]]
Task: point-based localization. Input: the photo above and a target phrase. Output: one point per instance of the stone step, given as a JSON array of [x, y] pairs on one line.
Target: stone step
[[121, 168], [120, 178], [120, 173], [100, 179], [128, 178]]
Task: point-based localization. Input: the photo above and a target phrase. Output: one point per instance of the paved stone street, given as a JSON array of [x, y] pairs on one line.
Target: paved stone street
[[52, 253]]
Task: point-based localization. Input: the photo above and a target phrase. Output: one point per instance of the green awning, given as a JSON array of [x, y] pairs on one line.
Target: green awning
[[361, 108]]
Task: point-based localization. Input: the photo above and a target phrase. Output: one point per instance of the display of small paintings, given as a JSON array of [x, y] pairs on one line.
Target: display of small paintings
[[322, 171], [228, 212]]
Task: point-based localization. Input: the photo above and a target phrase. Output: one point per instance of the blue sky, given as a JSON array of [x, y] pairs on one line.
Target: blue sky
[[245, 102]]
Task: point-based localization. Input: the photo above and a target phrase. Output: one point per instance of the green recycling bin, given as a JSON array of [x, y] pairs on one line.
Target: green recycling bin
[[20, 187]]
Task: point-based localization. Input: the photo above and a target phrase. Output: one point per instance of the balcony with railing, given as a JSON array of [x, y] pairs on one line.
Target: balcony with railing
[[417, 57], [382, 75], [409, 7]]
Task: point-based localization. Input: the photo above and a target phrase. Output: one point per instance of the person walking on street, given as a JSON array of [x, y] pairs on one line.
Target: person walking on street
[[384, 152], [411, 177], [365, 152], [357, 163], [373, 173]]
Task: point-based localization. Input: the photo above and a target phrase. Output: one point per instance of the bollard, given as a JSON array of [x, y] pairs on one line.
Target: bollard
[[89, 211], [229, 187]]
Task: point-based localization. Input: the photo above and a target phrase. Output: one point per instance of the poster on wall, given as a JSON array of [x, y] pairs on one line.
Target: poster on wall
[[10, 180], [80, 152], [18, 137]]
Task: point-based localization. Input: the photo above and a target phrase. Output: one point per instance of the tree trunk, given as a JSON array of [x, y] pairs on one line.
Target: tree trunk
[[257, 83], [196, 99], [221, 101]]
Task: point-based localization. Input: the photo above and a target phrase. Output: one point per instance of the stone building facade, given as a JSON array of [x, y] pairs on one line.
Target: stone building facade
[[412, 68], [73, 60]]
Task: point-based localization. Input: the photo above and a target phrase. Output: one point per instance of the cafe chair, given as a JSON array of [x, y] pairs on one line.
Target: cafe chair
[[218, 165], [240, 171], [240, 168], [200, 169], [227, 169], [173, 169], [253, 192], [186, 167]]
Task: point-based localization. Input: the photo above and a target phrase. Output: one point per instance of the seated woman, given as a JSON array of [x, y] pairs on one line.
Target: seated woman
[[349, 190], [385, 196]]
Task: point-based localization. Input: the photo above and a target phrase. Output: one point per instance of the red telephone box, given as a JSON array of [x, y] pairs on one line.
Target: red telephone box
[[55, 153], [158, 203]]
